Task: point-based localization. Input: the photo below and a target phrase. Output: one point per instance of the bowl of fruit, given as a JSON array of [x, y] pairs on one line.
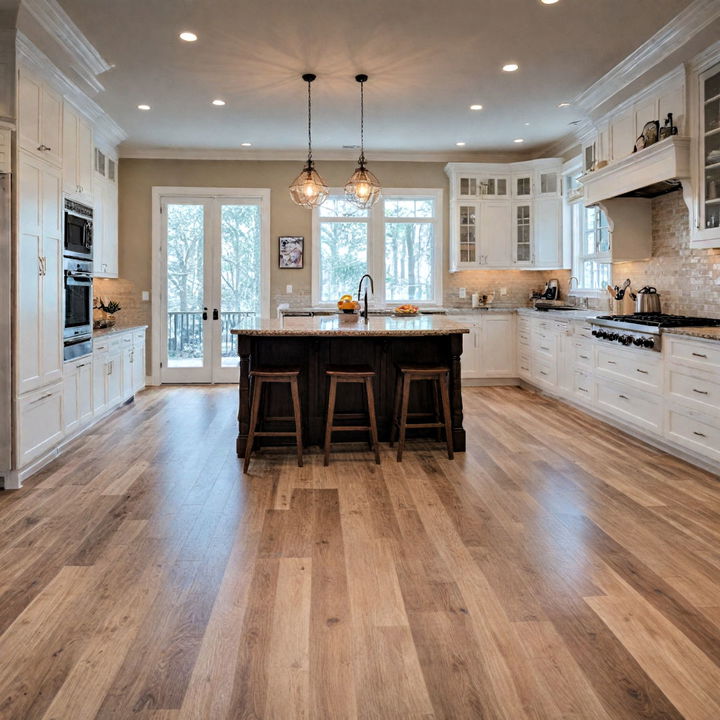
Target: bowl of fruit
[[347, 304], [406, 310]]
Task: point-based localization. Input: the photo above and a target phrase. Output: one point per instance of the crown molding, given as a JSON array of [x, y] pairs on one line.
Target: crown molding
[[85, 59], [37, 62], [169, 153], [709, 56], [684, 26]]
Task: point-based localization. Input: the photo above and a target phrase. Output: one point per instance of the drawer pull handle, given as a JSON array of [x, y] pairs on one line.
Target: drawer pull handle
[[582, 389], [611, 362], [624, 397], [584, 357], [77, 367], [644, 372], [700, 392], [699, 434], [700, 355], [546, 349], [542, 372], [41, 398]]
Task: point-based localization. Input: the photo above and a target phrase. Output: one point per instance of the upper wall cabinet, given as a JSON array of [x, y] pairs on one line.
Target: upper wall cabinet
[[706, 230], [77, 156], [105, 237], [505, 216], [40, 119]]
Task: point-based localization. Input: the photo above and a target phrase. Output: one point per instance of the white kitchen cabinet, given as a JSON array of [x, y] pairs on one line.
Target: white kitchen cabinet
[[77, 156], [100, 371], [105, 238], [114, 372], [40, 118], [39, 275], [497, 345], [547, 233], [77, 394], [522, 234], [495, 228], [138, 362], [40, 423], [5, 151], [693, 430], [470, 363], [523, 185]]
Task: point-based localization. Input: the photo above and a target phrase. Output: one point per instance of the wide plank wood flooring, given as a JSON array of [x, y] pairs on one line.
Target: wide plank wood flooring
[[558, 569]]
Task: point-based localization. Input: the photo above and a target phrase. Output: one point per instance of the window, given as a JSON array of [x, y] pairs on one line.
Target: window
[[399, 242], [591, 247]]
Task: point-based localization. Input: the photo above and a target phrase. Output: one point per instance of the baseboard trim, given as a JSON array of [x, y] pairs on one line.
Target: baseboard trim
[[489, 382]]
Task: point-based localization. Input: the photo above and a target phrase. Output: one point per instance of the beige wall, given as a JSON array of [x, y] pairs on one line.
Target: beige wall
[[137, 177]]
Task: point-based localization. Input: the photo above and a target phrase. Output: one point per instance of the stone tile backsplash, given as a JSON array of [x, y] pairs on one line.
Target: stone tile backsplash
[[688, 280], [134, 310]]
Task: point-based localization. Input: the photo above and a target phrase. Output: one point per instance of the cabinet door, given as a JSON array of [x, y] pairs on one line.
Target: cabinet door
[[468, 186], [497, 346], [128, 375], [70, 152], [548, 233], [522, 233], [71, 413], [85, 381], [709, 160], [138, 365], [114, 378], [51, 124], [548, 184], [522, 186], [99, 264], [99, 375], [39, 423], [468, 214], [495, 229], [29, 96], [470, 361], [85, 160], [110, 230]]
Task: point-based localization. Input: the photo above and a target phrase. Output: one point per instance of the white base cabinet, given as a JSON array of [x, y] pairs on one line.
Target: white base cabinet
[[489, 349], [77, 394], [40, 423]]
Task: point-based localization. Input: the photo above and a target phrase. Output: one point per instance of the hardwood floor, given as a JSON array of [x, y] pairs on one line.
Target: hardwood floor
[[558, 569]]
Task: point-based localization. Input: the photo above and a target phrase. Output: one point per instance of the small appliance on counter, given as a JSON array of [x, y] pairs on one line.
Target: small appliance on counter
[[552, 290], [648, 301]]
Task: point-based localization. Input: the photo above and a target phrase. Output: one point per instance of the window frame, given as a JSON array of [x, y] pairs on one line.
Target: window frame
[[376, 244]]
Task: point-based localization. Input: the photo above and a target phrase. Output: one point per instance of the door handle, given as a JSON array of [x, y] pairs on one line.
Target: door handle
[[216, 315], [204, 313]]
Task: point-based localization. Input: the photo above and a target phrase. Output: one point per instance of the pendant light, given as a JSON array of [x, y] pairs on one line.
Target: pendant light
[[308, 189], [363, 188]]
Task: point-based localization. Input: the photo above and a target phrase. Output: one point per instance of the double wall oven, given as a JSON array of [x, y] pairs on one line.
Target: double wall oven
[[78, 272]]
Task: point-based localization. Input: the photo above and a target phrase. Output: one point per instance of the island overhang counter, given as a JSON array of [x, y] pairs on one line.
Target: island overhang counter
[[313, 343]]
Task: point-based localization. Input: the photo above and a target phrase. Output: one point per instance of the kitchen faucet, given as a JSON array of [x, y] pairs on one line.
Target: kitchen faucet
[[572, 277], [364, 313]]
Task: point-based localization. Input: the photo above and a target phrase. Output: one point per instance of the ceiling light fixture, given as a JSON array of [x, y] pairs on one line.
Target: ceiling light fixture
[[564, 105], [218, 102], [188, 36], [510, 67], [476, 107], [519, 140], [548, 2], [143, 107], [246, 144], [460, 144], [308, 189], [363, 189]]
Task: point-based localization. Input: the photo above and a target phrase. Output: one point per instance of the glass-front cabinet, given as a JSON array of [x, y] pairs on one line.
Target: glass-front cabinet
[[468, 226], [710, 149], [522, 233]]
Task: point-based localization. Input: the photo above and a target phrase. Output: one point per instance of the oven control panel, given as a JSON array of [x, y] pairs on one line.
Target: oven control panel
[[628, 338]]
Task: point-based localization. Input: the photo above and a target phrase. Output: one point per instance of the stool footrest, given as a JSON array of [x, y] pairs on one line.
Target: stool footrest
[[348, 428]]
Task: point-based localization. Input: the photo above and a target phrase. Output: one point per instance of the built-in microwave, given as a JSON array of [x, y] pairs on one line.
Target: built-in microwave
[[78, 230]]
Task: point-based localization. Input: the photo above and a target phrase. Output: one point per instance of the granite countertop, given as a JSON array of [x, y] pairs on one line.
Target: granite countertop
[[115, 330], [707, 333], [579, 314], [350, 325]]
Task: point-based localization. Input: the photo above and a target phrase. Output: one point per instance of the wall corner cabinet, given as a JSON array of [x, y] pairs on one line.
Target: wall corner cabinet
[[506, 216]]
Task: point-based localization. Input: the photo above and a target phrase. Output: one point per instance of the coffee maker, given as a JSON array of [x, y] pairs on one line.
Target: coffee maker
[[552, 290]]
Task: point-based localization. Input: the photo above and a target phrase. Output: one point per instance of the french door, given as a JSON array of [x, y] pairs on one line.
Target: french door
[[213, 271]]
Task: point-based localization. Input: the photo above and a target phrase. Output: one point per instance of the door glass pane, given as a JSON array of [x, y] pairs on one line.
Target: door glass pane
[[409, 252], [185, 266], [343, 257], [239, 272]]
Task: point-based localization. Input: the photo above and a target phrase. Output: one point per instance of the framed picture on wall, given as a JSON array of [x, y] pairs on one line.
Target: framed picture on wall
[[291, 251]]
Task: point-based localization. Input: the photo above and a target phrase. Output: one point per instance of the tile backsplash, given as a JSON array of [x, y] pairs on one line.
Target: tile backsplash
[[688, 280], [134, 310]]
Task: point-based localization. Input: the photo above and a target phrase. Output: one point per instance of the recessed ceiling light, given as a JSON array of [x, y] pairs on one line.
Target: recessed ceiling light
[[526, 124], [188, 36], [246, 144], [519, 140], [476, 107], [548, 2], [510, 67], [460, 144], [143, 107], [218, 102], [564, 104]]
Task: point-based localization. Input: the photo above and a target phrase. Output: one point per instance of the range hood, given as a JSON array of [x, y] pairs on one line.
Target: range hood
[[624, 190], [658, 169]]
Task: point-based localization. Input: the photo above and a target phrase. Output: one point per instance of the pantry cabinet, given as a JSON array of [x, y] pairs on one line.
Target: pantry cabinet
[[77, 156], [105, 238], [506, 216], [40, 119], [39, 321]]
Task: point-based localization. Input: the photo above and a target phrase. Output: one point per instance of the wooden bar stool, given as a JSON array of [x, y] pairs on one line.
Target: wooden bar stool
[[438, 375], [260, 377], [351, 374]]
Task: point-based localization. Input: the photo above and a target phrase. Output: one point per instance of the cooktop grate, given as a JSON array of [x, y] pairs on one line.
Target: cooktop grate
[[663, 321]]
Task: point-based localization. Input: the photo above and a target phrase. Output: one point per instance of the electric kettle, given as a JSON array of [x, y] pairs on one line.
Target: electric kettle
[[648, 301]]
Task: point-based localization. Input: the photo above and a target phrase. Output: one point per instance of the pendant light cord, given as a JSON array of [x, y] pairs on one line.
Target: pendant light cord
[[309, 125], [362, 123]]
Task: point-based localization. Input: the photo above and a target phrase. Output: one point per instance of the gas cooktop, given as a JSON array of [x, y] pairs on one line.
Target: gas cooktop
[[662, 321]]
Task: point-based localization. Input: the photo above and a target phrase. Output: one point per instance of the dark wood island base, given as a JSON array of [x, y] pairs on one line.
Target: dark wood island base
[[312, 344]]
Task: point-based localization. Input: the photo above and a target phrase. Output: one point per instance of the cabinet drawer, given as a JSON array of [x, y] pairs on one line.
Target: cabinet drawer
[[524, 367], [524, 324], [545, 373], [583, 386], [582, 354], [701, 389], [695, 431], [630, 404], [139, 337], [545, 346], [119, 342], [524, 338], [583, 330], [643, 369], [694, 353], [40, 423], [560, 326]]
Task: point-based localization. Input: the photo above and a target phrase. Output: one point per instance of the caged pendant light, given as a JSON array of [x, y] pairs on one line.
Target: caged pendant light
[[363, 188], [308, 189]]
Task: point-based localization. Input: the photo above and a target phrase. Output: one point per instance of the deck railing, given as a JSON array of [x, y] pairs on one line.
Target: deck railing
[[185, 330]]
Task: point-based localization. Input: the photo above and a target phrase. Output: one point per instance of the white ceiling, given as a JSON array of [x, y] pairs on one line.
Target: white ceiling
[[427, 62]]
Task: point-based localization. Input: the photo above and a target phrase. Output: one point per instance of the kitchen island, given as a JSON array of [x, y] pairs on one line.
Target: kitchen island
[[312, 343]]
